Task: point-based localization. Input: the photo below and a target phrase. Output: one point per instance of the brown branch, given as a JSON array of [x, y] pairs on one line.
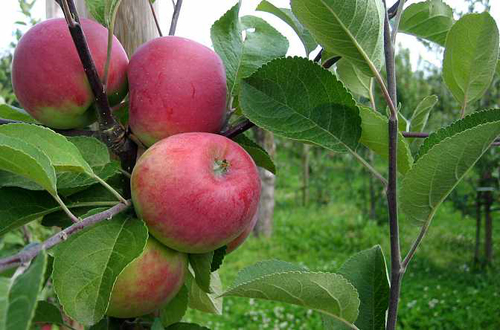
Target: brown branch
[[26, 255], [110, 131], [238, 129], [175, 17]]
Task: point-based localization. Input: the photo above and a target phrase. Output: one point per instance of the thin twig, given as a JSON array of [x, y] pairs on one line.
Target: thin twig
[[111, 29], [175, 17], [392, 196], [26, 255], [154, 17]]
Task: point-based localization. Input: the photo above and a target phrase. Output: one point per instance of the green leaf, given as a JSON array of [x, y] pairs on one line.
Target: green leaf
[[351, 29], [202, 301], [92, 150], [357, 82], [289, 18], [421, 113], [62, 153], [103, 10], [174, 311], [218, 258], [258, 154], [47, 313], [4, 300], [443, 160], [87, 264], [201, 264], [328, 293], [263, 268], [11, 112], [186, 326], [471, 57], [298, 99], [157, 325], [19, 207], [367, 271], [375, 136], [20, 304], [21, 158], [430, 20], [243, 57]]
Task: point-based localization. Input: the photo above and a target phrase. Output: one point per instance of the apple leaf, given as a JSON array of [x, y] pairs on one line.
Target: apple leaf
[[218, 258], [87, 264], [103, 10], [443, 160], [430, 20], [287, 16], [202, 301], [21, 158], [471, 56], [19, 207], [375, 136], [92, 150], [242, 57], [11, 112], [320, 111], [258, 154], [174, 311], [367, 271], [19, 297], [421, 114], [263, 268], [351, 29], [202, 264], [62, 153], [328, 293], [47, 313], [356, 81], [157, 325]]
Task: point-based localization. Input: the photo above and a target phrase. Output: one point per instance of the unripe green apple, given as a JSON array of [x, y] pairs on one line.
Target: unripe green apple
[[148, 282], [196, 192], [176, 86], [48, 76]]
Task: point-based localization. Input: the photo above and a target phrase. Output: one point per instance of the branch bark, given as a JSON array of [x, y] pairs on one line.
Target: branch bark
[[175, 17], [26, 255]]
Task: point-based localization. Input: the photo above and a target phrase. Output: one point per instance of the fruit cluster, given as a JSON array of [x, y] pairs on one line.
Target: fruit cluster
[[197, 191]]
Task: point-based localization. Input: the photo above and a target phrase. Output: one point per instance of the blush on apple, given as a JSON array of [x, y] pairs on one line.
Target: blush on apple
[[48, 77], [148, 282], [176, 86], [236, 243], [196, 192]]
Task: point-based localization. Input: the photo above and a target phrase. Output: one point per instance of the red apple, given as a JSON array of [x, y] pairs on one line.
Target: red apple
[[148, 282], [196, 192], [48, 77], [236, 243], [176, 86]]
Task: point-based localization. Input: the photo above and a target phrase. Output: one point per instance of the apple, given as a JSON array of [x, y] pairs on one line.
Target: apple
[[48, 77], [196, 192], [148, 282], [176, 86], [236, 243]]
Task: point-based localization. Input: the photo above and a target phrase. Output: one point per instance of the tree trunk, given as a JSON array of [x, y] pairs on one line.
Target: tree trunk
[[488, 229], [478, 228], [264, 225], [305, 174], [134, 21]]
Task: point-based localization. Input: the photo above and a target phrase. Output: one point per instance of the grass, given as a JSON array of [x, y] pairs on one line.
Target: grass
[[440, 290]]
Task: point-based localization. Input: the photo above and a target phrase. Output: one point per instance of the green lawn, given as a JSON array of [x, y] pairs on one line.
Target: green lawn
[[440, 290]]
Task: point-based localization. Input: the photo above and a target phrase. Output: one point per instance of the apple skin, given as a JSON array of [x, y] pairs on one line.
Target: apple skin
[[148, 282], [176, 86], [196, 192], [48, 77], [236, 243]]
